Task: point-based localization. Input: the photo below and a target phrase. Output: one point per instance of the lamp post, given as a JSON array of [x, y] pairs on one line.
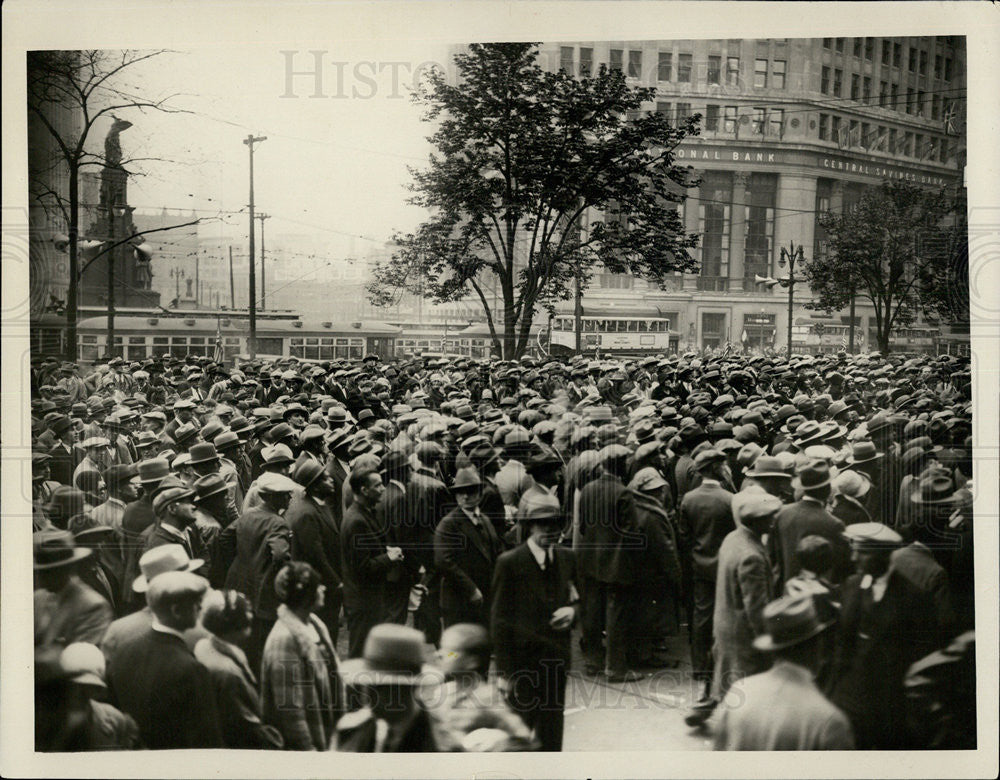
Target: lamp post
[[177, 274], [250, 140], [114, 212], [790, 256]]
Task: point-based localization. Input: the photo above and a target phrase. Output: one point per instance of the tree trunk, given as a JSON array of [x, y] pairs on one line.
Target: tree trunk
[[509, 325], [74, 261]]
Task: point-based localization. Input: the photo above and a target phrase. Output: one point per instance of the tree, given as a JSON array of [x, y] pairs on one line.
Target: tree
[[522, 157], [70, 92], [881, 250]]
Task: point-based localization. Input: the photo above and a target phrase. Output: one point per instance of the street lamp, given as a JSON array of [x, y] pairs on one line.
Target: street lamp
[[791, 256]]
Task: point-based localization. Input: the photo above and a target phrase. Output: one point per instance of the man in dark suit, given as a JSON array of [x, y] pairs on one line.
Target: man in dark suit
[[64, 458], [533, 606], [316, 537], [259, 544], [706, 517], [808, 517], [428, 500], [465, 551], [366, 558], [608, 547], [338, 442], [139, 516], [393, 514], [155, 678], [175, 511]]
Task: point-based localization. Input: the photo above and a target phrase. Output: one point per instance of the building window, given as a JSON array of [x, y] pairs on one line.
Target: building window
[[758, 242], [869, 48], [713, 330], [840, 45], [892, 141], [912, 64], [711, 117], [714, 222], [663, 109], [684, 68], [776, 122], [866, 89], [857, 46], [883, 93], [824, 82], [944, 150], [910, 100], [714, 69], [778, 69], [835, 129], [923, 63], [828, 43], [854, 133], [897, 55], [757, 121], [938, 65], [893, 96], [920, 103], [615, 62], [907, 144], [918, 146], [759, 74], [635, 64], [838, 80], [730, 119], [566, 58], [824, 127], [733, 71], [683, 112], [883, 136], [586, 62], [664, 65], [947, 70], [865, 135], [886, 52], [855, 86]]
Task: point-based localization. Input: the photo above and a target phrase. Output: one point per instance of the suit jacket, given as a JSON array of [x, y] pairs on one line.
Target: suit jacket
[[235, 689], [75, 614], [850, 512], [259, 544], [743, 588], [917, 565], [428, 501], [706, 517], [339, 474], [782, 709], [465, 556], [393, 514], [659, 563], [523, 600], [300, 689], [155, 678], [608, 543], [491, 505], [357, 732], [63, 464], [125, 629], [805, 518], [315, 538], [364, 562], [137, 518]]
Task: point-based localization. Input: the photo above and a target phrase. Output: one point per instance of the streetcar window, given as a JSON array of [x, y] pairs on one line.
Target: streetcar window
[[270, 346], [136, 339], [312, 353], [312, 342], [295, 342], [326, 342], [644, 326], [633, 326], [356, 353], [161, 340]]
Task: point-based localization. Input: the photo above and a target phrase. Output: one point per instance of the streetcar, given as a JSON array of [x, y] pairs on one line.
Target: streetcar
[[225, 335], [615, 332]]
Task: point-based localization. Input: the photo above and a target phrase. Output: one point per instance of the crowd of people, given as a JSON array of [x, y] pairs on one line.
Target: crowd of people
[[204, 535]]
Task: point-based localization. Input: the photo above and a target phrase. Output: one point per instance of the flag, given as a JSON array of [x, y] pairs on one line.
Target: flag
[[744, 338], [219, 352], [951, 118]]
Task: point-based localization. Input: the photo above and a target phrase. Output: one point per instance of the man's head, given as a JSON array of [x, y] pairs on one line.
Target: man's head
[[465, 650], [815, 555], [872, 545], [712, 464], [122, 482], [175, 598], [184, 410], [275, 491], [175, 505], [755, 510], [366, 484], [468, 488]]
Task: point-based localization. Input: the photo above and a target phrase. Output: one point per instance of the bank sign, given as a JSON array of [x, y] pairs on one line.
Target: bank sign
[[838, 164]]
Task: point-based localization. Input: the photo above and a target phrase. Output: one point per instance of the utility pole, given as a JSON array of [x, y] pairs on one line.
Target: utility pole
[[232, 286], [110, 344], [197, 282], [263, 273], [578, 311], [250, 140], [850, 330]]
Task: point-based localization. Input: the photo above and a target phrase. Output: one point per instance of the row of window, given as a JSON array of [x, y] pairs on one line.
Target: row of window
[[322, 348], [892, 54], [915, 102], [715, 199], [141, 347], [614, 326], [878, 138], [767, 73]]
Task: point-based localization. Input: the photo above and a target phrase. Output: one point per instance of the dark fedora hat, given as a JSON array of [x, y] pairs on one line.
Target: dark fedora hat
[[209, 485], [393, 655], [935, 489], [814, 475], [864, 452], [789, 621], [203, 453], [54, 549]]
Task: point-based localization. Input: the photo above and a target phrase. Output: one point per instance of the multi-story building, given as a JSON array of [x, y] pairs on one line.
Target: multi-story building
[[790, 128]]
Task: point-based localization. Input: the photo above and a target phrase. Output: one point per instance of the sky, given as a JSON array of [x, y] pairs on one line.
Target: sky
[[334, 165]]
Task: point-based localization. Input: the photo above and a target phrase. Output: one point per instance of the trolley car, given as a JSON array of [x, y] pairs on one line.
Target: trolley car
[[615, 332]]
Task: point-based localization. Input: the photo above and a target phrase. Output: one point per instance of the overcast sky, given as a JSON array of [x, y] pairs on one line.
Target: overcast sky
[[332, 165]]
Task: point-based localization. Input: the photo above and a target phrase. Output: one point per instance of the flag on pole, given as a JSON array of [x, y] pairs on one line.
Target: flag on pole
[[744, 338], [219, 352]]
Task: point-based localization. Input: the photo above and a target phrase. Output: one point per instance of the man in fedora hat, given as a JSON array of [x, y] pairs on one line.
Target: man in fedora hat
[[706, 518], [136, 519], [316, 536], [466, 548], [155, 677], [62, 451], [767, 473], [807, 516], [388, 675], [782, 709], [66, 610], [850, 489], [534, 605], [159, 560]]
